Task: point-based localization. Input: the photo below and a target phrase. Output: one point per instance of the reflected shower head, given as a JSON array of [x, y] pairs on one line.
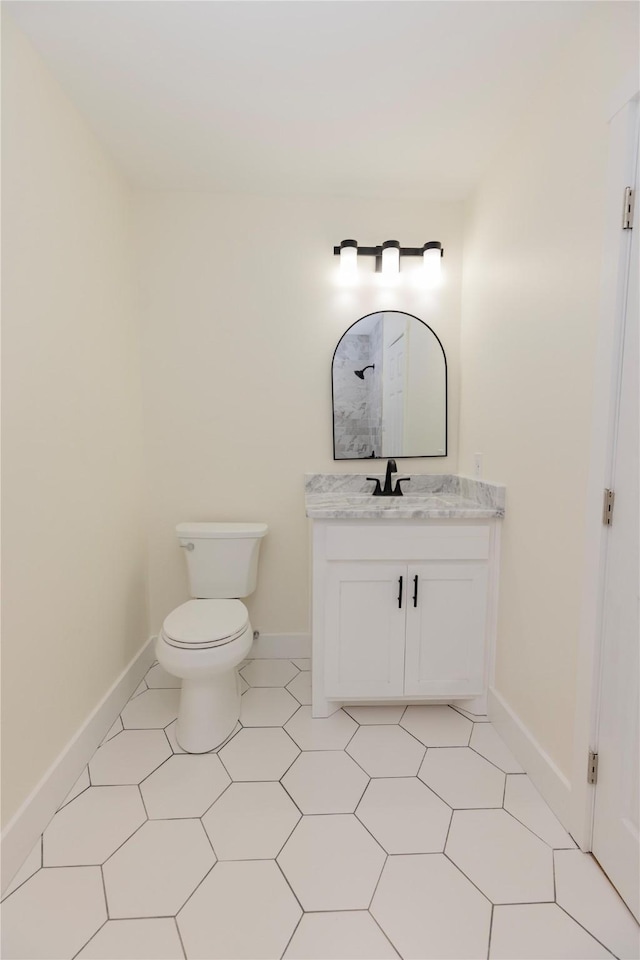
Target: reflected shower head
[[360, 373]]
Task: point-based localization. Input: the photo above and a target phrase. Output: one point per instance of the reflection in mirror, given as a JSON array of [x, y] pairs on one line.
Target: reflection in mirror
[[389, 389]]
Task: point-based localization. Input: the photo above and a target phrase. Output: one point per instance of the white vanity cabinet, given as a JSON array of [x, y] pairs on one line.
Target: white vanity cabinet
[[402, 610]]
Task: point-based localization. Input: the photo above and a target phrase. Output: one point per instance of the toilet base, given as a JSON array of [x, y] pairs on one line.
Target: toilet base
[[209, 711], [210, 697]]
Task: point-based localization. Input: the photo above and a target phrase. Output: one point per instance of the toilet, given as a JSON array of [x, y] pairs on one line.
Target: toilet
[[203, 640]]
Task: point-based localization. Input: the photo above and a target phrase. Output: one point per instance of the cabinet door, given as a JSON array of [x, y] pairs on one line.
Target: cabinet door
[[365, 627], [446, 629]]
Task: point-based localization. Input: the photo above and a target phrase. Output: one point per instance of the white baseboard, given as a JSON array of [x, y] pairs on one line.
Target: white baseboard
[[275, 645], [23, 830], [545, 775]]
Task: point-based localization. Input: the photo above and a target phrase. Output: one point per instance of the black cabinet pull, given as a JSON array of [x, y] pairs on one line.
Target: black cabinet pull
[[415, 590], [400, 581]]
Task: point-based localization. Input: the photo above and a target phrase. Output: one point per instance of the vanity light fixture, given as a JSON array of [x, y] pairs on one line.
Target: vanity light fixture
[[391, 258], [388, 256], [432, 256], [348, 251]]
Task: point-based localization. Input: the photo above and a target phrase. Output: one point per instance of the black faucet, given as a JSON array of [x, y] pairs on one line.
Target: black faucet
[[388, 490]]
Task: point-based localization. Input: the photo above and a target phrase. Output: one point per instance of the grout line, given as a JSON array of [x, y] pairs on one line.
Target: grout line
[[352, 813], [339, 910], [536, 835], [378, 880], [292, 935], [452, 746], [586, 930], [267, 726], [446, 839], [490, 931], [173, 752], [424, 745], [155, 769], [374, 838], [290, 833], [69, 802], [493, 764], [295, 803], [159, 916], [209, 840], [318, 749], [119, 847], [383, 932], [358, 764], [184, 952], [435, 792], [271, 686], [69, 866], [361, 799], [202, 815], [280, 779], [187, 816], [8, 896], [216, 750], [286, 879], [352, 735], [469, 716], [523, 903], [197, 887], [144, 806], [445, 854], [291, 718], [226, 769], [90, 938], [284, 730], [104, 891], [430, 853]]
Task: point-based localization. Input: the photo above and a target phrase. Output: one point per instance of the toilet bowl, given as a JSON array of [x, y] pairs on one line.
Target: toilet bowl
[[203, 640]]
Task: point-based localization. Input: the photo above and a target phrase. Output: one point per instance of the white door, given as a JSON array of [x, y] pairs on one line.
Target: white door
[[393, 413], [365, 625], [446, 618], [616, 822]]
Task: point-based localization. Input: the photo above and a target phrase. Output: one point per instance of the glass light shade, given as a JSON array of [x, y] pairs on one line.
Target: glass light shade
[[348, 261], [390, 261], [432, 265]]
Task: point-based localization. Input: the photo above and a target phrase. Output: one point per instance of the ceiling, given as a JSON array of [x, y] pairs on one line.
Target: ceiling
[[374, 98]]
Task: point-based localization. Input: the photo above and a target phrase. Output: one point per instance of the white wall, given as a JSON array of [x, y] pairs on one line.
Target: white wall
[[74, 609], [532, 273], [241, 314]]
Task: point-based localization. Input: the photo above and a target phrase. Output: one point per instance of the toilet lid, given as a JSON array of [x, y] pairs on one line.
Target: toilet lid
[[201, 623]]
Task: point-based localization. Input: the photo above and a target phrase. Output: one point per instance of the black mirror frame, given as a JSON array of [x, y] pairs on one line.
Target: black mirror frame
[[421, 456]]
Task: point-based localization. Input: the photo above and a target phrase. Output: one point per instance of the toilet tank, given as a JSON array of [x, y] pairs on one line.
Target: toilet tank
[[222, 558]]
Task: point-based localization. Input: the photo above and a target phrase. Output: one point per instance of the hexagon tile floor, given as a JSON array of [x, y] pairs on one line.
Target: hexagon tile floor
[[377, 832]]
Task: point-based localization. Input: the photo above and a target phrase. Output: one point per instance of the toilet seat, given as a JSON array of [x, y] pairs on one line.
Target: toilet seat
[[201, 624]]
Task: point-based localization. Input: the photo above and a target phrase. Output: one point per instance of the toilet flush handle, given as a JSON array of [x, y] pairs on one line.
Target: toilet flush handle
[[188, 546]]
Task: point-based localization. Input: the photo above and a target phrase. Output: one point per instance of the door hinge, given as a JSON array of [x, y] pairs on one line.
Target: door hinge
[[627, 212], [592, 770], [607, 508]]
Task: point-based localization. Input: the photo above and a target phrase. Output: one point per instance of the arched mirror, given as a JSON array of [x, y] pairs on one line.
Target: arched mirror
[[389, 377]]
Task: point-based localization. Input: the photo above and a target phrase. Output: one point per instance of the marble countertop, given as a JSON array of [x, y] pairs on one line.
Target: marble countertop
[[432, 497]]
